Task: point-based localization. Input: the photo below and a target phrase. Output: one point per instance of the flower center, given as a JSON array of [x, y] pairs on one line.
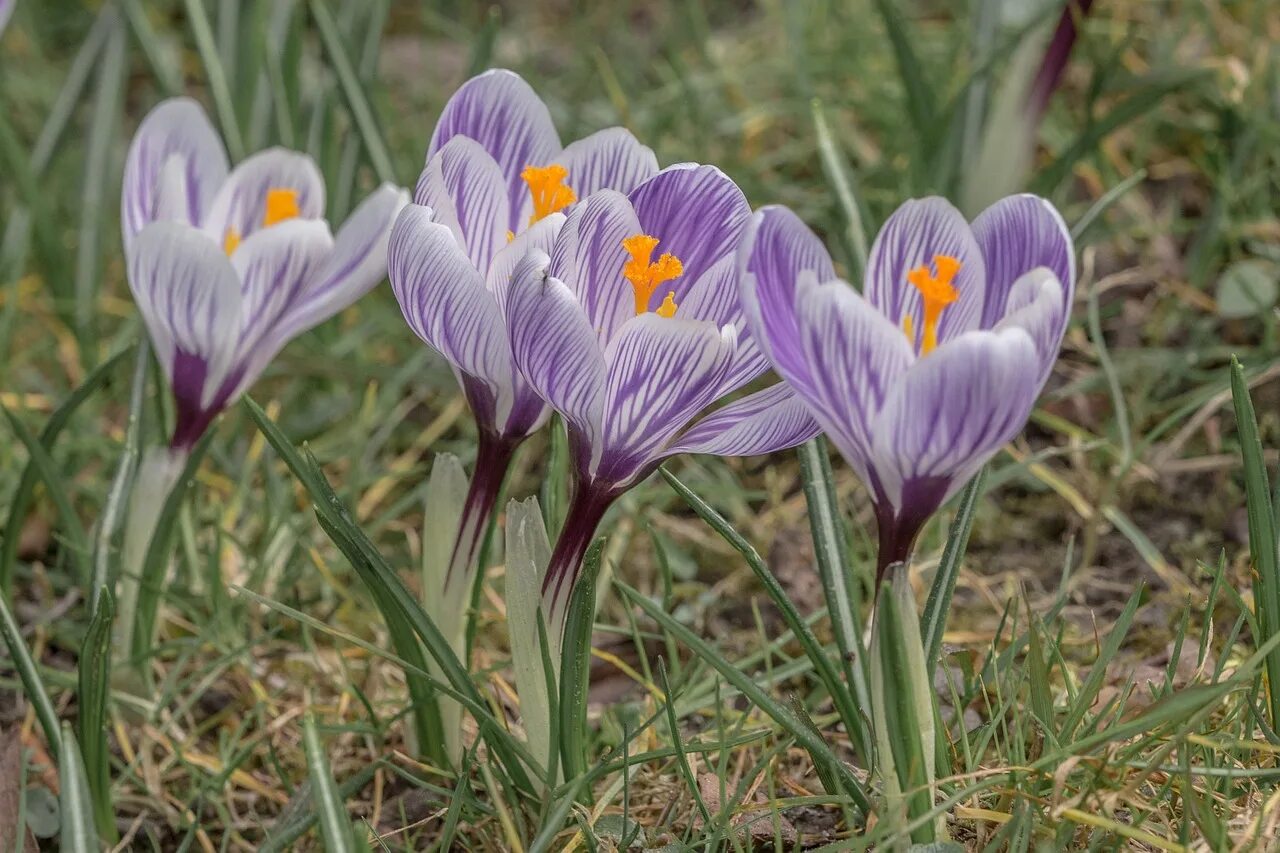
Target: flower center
[[936, 293], [645, 275], [281, 205], [550, 193]]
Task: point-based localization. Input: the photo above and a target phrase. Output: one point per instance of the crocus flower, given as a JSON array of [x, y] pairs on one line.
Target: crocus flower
[[496, 183], [920, 379], [630, 327], [227, 267]]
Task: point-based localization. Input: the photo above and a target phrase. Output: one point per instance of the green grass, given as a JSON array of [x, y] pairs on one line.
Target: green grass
[[1101, 685]]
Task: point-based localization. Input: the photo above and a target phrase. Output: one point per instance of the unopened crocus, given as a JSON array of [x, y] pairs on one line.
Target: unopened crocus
[[226, 267], [496, 184], [936, 365], [630, 327]]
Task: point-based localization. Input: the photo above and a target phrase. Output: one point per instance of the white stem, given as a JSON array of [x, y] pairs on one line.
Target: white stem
[[157, 475]]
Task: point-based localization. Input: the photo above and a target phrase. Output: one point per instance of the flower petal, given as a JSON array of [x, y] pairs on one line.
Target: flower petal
[[189, 298], [1016, 235], [952, 411], [465, 188], [716, 298], [555, 348], [356, 264], [241, 203], [662, 373], [918, 231], [588, 257], [764, 422], [501, 112], [609, 159], [177, 133], [696, 212], [855, 359], [1035, 305], [541, 236], [776, 249]]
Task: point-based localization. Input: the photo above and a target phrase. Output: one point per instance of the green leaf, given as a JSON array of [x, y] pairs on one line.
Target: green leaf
[[575, 663], [29, 675], [1247, 289], [837, 172], [938, 604], [334, 825], [78, 834], [921, 103], [94, 681], [216, 76]]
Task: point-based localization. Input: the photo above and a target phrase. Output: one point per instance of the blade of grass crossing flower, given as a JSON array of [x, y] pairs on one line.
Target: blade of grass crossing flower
[[389, 591], [77, 540], [94, 679], [29, 675], [20, 502], [353, 92], [834, 167], [1262, 532], [99, 179], [748, 687], [822, 665], [831, 548], [77, 833], [207, 48], [335, 828], [938, 604], [575, 663]]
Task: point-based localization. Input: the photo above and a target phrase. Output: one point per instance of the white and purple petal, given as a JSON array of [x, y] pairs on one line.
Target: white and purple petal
[[240, 206], [177, 141], [764, 422], [696, 212], [588, 257], [1016, 235], [1035, 305], [609, 159], [467, 191]]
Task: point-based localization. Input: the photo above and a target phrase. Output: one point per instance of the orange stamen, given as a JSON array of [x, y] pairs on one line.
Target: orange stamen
[[550, 192], [936, 293], [645, 275], [280, 205]]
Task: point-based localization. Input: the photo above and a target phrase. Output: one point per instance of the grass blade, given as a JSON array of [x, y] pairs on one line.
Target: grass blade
[[334, 826], [216, 76], [94, 676], [837, 172], [29, 675], [938, 604], [575, 664], [77, 833], [921, 103]]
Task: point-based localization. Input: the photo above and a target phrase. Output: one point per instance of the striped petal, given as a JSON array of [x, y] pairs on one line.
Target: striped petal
[[1035, 305], [1016, 235], [555, 349], [916, 233], [764, 422], [661, 373], [540, 236], [951, 412], [696, 212], [588, 257], [715, 298], [240, 207], [609, 159], [501, 112], [176, 140], [466, 189]]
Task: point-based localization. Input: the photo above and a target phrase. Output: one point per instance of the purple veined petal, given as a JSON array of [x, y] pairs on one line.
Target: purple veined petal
[[356, 264], [240, 207], [274, 266], [661, 373], [856, 359], [176, 137], [952, 411], [776, 249], [466, 189], [588, 257], [696, 212], [716, 298], [540, 236], [445, 302], [501, 112], [609, 159], [1035, 305], [913, 236], [764, 422], [555, 349], [189, 297], [1016, 235]]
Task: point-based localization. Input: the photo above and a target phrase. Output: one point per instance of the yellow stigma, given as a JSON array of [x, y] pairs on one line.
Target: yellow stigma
[[280, 205], [646, 275], [936, 293], [550, 192]]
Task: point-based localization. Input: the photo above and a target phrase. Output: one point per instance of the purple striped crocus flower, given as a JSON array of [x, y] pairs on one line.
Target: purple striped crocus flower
[[227, 266], [495, 186], [630, 326], [920, 379]]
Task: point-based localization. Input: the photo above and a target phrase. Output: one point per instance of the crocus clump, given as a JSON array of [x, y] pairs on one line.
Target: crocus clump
[[924, 375], [496, 183], [630, 327], [227, 266]]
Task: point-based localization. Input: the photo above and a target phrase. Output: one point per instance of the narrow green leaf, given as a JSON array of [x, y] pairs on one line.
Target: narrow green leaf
[[837, 172], [1098, 671], [921, 104], [29, 675], [938, 605], [575, 663], [682, 760], [94, 680], [216, 76], [292, 825], [334, 825], [76, 806]]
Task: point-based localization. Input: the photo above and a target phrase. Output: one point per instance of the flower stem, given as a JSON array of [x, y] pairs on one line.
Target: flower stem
[[586, 510], [493, 457]]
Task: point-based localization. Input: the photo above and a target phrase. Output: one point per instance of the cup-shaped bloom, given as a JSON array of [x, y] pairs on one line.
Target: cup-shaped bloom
[[228, 265], [631, 327], [921, 378]]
